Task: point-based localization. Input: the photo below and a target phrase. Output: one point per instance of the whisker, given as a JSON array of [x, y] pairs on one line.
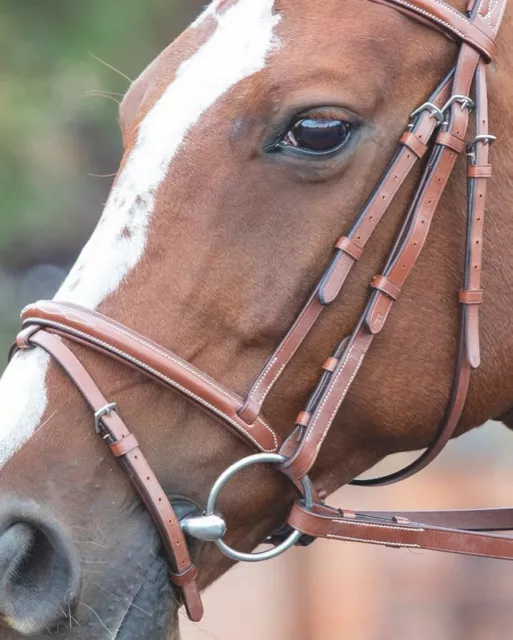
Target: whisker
[[102, 175], [45, 423], [96, 544], [105, 92], [96, 614], [121, 599], [109, 66], [101, 95]]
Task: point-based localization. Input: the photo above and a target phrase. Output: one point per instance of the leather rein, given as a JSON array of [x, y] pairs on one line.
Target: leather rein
[[437, 131]]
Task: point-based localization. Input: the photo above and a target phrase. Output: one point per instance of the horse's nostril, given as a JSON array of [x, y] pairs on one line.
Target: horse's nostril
[[39, 576]]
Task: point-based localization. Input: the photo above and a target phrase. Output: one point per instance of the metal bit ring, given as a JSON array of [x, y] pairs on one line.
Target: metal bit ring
[[259, 458]]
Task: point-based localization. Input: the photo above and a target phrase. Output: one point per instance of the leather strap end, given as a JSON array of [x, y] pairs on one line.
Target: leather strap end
[[192, 602], [378, 313], [335, 277], [473, 343], [124, 446], [479, 171], [330, 365], [303, 419]]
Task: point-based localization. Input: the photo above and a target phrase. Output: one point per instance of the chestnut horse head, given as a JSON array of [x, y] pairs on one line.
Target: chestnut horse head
[[251, 145]]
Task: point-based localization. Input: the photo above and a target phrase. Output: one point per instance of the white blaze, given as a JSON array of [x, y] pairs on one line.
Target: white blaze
[[237, 49]]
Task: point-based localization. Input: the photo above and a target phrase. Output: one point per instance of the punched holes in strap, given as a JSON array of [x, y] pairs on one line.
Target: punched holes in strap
[[449, 140], [410, 140], [471, 296], [479, 171], [348, 246], [124, 446], [386, 286]]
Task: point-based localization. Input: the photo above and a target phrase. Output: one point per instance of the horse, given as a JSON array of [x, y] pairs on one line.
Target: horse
[[250, 145]]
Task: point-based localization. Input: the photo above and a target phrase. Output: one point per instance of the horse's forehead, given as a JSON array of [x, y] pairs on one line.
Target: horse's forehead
[[337, 34], [235, 49]]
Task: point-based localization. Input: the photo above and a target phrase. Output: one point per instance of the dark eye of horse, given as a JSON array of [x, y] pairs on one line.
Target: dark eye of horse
[[317, 135]]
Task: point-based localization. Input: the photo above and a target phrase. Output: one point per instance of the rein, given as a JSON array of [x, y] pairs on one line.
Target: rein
[[437, 131]]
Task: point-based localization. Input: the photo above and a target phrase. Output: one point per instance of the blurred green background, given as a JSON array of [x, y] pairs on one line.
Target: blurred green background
[[59, 130]]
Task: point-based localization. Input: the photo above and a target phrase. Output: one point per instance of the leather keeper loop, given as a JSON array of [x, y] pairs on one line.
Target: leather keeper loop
[[410, 140], [303, 419], [124, 446], [469, 296], [383, 284], [184, 578], [348, 246], [451, 141], [330, 365], [479, 171]]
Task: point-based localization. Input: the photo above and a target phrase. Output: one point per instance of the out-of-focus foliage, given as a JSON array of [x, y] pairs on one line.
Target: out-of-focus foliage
[[58, 127]]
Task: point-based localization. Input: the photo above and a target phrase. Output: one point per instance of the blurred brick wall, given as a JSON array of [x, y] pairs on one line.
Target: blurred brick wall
[[338, 591]]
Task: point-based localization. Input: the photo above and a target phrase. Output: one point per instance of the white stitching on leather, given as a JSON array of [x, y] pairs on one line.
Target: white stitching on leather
[[375, 525], [263, 374], [271, 384], [500, 16], [386, 544], [171, 382], [436, 18], [327, 396], [140, 340]]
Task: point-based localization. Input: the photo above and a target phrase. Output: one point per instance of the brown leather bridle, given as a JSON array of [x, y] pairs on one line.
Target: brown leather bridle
[[438, 131]]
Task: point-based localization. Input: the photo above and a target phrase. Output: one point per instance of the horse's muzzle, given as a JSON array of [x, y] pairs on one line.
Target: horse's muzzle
[[39, 570]]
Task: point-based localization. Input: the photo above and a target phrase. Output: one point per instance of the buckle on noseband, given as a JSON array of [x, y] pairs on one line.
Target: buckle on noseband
[[212, 527], [104, 411]]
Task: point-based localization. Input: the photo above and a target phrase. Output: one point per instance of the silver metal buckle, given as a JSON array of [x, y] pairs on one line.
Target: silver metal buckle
[[434, 112], [106, 410], [465, 101], [485, 138], [212, 527]]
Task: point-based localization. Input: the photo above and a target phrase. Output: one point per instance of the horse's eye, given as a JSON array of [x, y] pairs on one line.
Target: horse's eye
[[317, 135]]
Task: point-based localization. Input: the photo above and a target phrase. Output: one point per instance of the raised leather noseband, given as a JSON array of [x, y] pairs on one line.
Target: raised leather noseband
[[437, 131]]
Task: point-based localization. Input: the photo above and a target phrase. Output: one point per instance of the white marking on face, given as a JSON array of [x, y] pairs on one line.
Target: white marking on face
[[237, 49]]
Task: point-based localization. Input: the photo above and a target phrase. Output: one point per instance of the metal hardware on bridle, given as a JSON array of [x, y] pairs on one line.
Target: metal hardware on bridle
[[434, 112], [437, 133], [211, 527], [464, 101], [484, 139], [439, 113], [104, 411]]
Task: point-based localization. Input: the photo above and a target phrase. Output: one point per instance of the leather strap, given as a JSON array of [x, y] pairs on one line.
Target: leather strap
[[322, 522], [126, 448], [478, 171], [349, 250], [328, 397], [107, 336], [477, 33]]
